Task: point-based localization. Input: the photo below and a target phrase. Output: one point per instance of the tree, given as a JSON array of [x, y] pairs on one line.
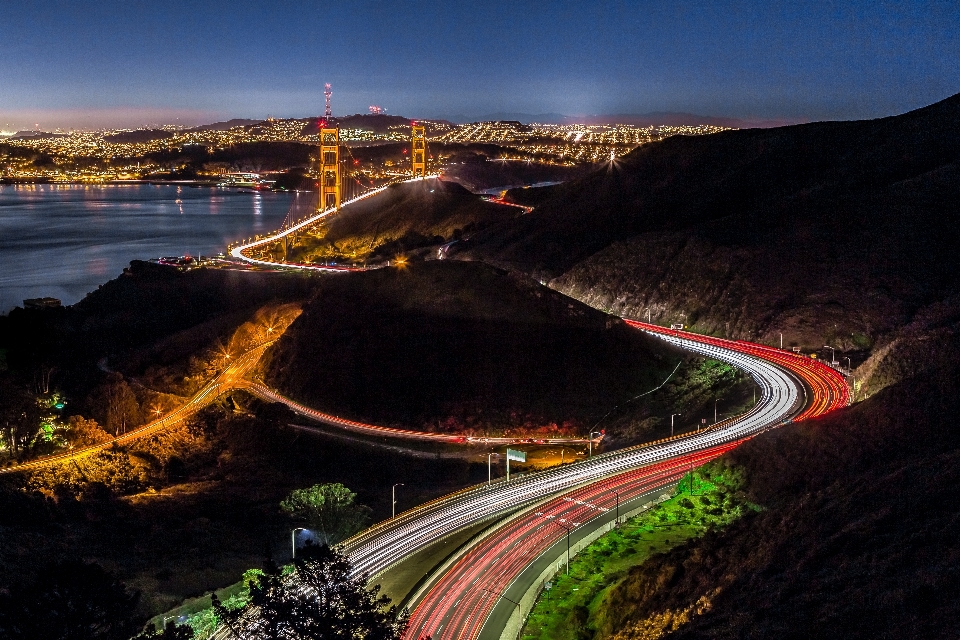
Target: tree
[[115, 405], [70, 601], [20, 415], [319, 600], [328, 510], [82, 432], [172, 631]]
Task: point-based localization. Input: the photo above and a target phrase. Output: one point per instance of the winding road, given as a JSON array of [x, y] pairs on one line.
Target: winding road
[[481, 591], [232, 377], [476, 593]]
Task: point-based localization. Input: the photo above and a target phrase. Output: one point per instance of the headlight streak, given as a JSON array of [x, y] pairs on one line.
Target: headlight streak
[[237, 252], [782, 398]]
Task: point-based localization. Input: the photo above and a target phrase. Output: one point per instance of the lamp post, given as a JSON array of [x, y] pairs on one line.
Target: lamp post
[[559, 522], [568, 529], [394, 495], [849, 363], [617, 494], [671, 422], [590, 439], [715, 410], [833, 354], [519, 612], [293, 541]]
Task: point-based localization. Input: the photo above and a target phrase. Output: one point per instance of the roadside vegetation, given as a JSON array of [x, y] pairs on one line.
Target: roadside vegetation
[[406, 219], [857, 538], [464, 348], [575, 605]]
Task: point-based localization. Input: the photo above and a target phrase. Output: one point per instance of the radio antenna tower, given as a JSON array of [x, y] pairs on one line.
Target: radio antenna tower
[[327, 113]]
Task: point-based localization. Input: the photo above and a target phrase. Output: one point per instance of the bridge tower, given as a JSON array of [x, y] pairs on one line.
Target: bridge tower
[[330, 179], [418, 150]]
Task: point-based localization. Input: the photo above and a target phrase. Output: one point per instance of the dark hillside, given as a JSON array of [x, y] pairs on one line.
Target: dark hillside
[[146, 304], [463, 344], [859, 539], [479, 173], [827, 231]]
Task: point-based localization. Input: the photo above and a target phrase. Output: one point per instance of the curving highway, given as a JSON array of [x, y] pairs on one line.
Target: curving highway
[[266, 393], [238, 252], [379, 547], [230, 378], [460, 599]]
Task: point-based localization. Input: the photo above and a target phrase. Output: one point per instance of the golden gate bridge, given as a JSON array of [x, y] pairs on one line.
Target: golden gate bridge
[[338, 182]]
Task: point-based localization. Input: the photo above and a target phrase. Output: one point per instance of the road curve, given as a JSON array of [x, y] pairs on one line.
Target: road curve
[[790, 387], [238, 251], [230, 378], [459, 602], [266, 393]]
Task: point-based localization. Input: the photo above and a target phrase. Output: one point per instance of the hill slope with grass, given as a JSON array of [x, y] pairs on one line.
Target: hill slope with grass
[[858, 538], [464, 347], [832, 231], [405, 217]]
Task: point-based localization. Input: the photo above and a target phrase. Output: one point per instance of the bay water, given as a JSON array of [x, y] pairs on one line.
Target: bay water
[[63, 241]]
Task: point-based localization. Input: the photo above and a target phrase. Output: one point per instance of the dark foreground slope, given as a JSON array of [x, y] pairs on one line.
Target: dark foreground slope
[[145, 305], [829, 231], [461, 346], [859, 539]]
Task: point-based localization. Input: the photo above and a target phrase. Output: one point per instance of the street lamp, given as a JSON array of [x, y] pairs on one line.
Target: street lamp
[[590, 439], [849, 363], [394, 492], [617, 494], [559, 523], [490, 468], [833, 354], [293, 541], [715, 410], [519, 612], [671, 422]]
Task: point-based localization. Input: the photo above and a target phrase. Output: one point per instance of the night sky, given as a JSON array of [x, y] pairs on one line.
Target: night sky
[[90, 64]]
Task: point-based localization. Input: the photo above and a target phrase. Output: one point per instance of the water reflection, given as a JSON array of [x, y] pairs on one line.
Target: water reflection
[[65, 240]]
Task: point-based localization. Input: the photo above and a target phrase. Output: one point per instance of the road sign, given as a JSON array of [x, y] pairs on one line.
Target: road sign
[[516, 456]]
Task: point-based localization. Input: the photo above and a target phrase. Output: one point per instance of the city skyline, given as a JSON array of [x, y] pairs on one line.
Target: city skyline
[[87, 65]]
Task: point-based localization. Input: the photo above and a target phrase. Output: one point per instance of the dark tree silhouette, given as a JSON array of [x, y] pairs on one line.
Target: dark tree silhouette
[[172, 631], [319, 599], [115, 406], [70, 601]]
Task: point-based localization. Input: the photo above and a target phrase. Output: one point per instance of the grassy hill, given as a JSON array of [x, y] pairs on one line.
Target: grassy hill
[[406, 217], [858, 539], [833, 232], [462, 347]]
